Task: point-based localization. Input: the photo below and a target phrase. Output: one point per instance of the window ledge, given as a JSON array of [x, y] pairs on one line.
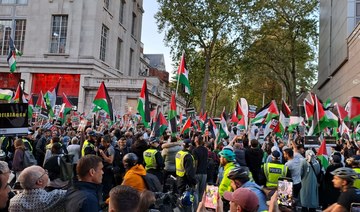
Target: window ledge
[[56, 54], [121, 25], [133, 37], [111, 16]]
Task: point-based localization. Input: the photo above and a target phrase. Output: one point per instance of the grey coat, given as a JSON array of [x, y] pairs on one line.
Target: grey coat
[[168, 153]]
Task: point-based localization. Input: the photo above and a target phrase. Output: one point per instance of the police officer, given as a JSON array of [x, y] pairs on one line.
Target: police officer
[[154, 163], [273, 170], [185, 169], [89, 144]]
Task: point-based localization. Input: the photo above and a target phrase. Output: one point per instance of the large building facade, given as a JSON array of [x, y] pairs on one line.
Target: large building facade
[[83, 42], [339, 61]]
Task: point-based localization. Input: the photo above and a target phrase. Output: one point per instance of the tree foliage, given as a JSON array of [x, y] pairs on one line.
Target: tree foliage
[[199, 25], [242, 48]]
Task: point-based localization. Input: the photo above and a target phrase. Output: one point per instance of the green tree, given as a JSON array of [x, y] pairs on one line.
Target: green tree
[[199, 25], [283, 43]]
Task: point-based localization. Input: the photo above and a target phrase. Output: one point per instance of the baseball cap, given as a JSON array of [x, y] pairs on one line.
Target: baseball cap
[[243, 197]]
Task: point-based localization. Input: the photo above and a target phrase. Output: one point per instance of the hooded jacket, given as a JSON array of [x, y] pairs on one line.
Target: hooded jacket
[[168, 153], [133, 178]]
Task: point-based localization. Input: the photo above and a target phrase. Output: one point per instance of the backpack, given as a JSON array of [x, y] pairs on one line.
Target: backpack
[[66, 167], [152, 182], [29, 159]]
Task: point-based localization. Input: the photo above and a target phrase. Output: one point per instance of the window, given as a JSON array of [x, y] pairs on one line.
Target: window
[[13, 1], [9, 28], [104, 36], [58, 33], [130, 60], [122, 11], [118, 53], [107, 4], [133, 23]]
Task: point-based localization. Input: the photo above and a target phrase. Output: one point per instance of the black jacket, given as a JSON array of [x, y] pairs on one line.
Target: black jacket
[[84, 197]]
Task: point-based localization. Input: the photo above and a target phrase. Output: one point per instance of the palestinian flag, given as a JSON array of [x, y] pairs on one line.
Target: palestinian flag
[[322, 155], [13, 52], [285, 109], [357, 132], [6, 94], [212, 128], [50, 98], [309, 110], [245, 111], [332, 121], [354, 109], [203, 120], [186, 127], [224, 132], [344, 129], [234, 118], [183, 75], [160, 125], [294, 122], [103, 101], [273, 112], [67, 106], [342, 113], [241, 125], [30, 107], [40, 103], [19, 95], [238, 111], [143, 106], [319, 122], [283, 119], [327, 104], [261, 114], [172, 115]]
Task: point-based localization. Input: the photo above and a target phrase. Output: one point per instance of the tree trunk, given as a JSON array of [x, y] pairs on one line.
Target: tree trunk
[[205, 82]]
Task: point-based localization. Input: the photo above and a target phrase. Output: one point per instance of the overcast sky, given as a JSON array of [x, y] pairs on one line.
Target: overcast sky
[[152, 39]]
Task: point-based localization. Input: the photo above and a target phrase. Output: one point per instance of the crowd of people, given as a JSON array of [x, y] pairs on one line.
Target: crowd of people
[[127, 169]]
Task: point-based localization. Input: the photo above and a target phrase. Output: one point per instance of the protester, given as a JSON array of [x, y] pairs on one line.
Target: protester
[[253, 157], [121, 149], [124, 199], [53, 167], [309, 196], [18, 160], [239, 177], [147, 200], [40, 146], [34, 198], [169, 151], [294, 165], [330, 194], [4, 187], [134, 173], [242, 199], [201, 159], [107, 153], [85, 195], [74, 149]]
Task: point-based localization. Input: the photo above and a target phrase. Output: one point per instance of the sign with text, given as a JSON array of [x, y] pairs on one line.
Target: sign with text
[[14, 119], [330, 140], [311, 141]]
